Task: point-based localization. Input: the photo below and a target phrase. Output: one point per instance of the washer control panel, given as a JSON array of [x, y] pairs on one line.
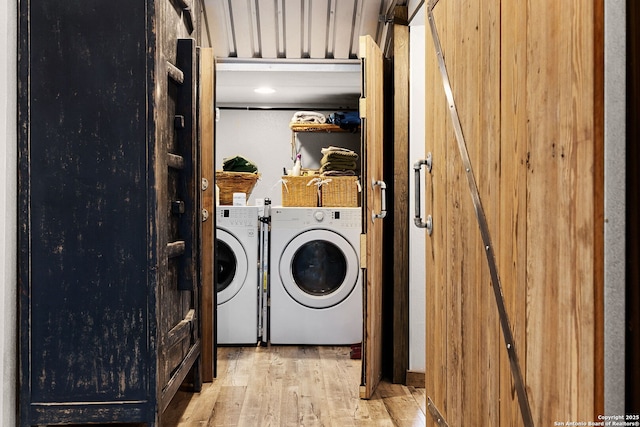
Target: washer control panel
[[237, 216]]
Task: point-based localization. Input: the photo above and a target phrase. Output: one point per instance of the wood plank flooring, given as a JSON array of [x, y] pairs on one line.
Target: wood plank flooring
[[293, 386]]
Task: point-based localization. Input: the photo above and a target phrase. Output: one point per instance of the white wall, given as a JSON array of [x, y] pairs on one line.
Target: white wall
[[8, 227], [264, 137], [417, 273], [614, 206]]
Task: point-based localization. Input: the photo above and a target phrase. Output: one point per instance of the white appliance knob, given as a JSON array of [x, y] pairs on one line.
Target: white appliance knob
[[318, 215]]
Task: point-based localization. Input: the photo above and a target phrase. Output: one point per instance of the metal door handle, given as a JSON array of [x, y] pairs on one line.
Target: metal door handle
[[383, 200], [428, 223]]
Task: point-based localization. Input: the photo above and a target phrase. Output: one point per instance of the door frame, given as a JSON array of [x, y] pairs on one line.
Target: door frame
[[207, 133], [373, 211]]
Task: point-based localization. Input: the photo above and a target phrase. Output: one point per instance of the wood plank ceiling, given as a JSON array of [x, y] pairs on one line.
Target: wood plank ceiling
[[295, 29]]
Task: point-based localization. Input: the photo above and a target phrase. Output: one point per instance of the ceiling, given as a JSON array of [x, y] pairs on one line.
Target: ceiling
[[300, 85], [306, 50], [293, 29]]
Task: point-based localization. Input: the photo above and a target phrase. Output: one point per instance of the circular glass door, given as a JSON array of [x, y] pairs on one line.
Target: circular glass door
[[231, 265], [319, 268]]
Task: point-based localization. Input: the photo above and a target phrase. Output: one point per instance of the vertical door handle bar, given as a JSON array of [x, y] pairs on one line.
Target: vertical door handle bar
[[383, 199], [417, 220]]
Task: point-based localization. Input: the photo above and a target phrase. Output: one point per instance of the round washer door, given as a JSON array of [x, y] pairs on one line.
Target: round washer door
[[232, 265], [319, 268]]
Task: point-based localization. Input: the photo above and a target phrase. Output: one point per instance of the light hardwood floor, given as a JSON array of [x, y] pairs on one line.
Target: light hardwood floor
[[293, 386]]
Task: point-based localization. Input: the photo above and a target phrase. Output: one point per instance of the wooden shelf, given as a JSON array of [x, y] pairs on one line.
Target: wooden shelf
[[316, 127]]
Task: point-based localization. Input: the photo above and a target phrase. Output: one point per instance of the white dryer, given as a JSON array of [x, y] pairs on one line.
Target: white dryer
[[316, 283], [237, 274]]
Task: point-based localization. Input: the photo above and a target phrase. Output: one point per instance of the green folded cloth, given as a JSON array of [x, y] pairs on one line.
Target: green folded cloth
[[338, 165], [330, 155], [339, 159], [333, 165], [238, 164], [345, 163]]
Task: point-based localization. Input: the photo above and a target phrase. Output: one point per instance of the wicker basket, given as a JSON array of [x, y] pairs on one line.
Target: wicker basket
[[300, 191], [235, 182], [340, 191]]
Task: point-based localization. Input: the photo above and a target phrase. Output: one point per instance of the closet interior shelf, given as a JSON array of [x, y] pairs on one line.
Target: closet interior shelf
[[316, 127]]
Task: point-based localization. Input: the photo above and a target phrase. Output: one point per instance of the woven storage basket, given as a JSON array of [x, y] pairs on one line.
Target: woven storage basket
[[299, 191], [340, 192], [235, 182]]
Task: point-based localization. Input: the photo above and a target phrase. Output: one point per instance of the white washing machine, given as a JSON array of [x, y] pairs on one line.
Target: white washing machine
[[316, 283], [237, 274]]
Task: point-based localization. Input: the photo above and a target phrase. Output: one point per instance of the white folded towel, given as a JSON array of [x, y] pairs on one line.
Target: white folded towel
[[308, 117]]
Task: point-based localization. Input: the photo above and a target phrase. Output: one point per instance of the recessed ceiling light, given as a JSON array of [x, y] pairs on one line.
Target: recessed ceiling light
[[264, 90]]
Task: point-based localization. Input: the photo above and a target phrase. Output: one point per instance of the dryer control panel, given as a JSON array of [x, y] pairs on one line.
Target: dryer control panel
[[335, 218]]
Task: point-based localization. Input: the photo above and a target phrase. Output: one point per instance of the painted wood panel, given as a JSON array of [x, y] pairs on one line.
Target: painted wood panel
[[293, 19], [109, 320], [271, 32], [243, 15], [315, 30], [343, 37], [524, 87], [294, 29]]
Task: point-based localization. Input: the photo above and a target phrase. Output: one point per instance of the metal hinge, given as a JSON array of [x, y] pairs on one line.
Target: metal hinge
[[363, 108]]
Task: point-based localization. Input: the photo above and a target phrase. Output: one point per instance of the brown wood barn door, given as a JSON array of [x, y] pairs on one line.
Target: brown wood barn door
[[523, 80], [373, 186], [463, 332]]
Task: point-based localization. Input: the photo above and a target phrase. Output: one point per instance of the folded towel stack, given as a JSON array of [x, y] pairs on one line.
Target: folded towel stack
[[308, 117], [338, 161]]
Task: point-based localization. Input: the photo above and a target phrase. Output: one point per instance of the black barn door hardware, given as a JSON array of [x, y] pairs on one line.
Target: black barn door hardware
[[175, 161], [435, 414], [181, 331], [188, 214], [177, 207], [175, 249], [178, 122], [175, 73], [507, 333], [185, 5]]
